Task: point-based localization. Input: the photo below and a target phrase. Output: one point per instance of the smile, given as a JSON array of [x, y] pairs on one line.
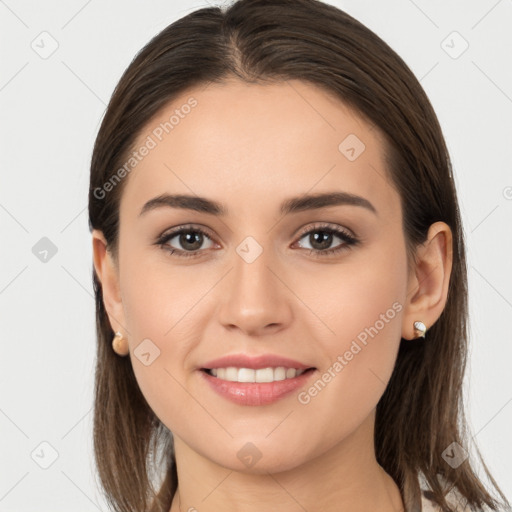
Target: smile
[[234, 374]]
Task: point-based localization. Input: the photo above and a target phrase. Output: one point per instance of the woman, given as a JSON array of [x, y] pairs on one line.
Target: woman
[[301, 352]]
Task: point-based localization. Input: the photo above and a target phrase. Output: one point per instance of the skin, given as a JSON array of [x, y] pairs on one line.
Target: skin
[[240, 144]]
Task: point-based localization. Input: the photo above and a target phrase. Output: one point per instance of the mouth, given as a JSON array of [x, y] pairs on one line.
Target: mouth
[[255, 379], [252, 375]]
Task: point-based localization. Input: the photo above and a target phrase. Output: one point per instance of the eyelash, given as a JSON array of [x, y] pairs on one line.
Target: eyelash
[[349, 240]]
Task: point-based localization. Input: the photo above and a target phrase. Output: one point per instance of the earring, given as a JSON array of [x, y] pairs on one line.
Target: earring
[[420, 329], [120, 345]]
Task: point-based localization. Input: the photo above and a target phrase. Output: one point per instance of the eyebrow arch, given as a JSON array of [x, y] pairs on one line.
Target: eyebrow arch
[[292, 205]]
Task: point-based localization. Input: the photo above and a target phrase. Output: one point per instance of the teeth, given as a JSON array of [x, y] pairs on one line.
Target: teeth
[[244, 375], [290, 373], [231, 373], [279, 373], [261, 375]]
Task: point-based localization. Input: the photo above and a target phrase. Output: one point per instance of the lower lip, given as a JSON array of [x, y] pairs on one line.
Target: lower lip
[[256, 393]]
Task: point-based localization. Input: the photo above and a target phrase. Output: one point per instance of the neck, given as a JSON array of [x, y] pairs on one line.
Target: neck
[[345, 478]]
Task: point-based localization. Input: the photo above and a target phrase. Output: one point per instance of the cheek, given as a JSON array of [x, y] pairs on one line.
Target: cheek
[[158, 296], [373, 299], [158, 304], [366, 310], [364, 293]]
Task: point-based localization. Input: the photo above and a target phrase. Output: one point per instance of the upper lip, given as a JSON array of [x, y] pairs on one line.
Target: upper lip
[[254, 362]]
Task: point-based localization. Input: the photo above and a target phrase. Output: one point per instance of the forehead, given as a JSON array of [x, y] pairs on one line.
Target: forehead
[[237, 140]]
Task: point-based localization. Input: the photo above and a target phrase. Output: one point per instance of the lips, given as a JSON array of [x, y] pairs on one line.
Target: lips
[[254, 362], [255, 380]]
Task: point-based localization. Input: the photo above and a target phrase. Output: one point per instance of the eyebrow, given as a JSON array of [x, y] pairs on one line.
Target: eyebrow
[[292, 205]]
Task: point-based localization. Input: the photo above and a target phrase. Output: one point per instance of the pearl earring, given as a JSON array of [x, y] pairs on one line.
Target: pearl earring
[[420, 329], [120, 345]]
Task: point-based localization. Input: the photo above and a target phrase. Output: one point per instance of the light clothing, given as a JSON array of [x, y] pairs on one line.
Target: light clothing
[[453, 498]]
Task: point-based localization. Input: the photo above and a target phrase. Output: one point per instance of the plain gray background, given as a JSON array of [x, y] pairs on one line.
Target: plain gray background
[[51, 107]]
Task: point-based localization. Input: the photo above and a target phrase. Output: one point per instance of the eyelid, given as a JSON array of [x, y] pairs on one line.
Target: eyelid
[[300, 233], [170, 233], [347, 236], [327, 226], [186, 227]]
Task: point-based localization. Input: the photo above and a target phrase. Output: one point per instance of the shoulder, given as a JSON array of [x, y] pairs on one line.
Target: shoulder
[[453, 497]]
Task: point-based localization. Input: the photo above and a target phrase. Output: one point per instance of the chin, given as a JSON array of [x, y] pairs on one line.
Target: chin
[[260, 457]]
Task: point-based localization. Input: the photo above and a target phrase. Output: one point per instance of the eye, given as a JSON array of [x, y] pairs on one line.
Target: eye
[[320, 238], [190, 239]]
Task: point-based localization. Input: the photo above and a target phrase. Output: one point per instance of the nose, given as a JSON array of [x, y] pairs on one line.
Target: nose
[[254, 298]]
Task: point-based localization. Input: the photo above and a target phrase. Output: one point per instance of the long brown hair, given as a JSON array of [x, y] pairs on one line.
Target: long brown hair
[[264, 41]]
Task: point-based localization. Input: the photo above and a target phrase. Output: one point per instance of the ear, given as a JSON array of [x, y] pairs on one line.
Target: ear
[[108, 274], [428, 282]]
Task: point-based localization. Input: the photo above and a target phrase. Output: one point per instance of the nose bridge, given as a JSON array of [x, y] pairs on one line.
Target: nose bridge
[[251, 269], [254, 297]]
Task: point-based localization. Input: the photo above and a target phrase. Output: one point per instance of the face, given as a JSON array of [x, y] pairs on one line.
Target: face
[[271, 279]]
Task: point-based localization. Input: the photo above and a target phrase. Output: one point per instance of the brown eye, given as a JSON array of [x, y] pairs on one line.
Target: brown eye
[[184, 241], [321, 238]]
